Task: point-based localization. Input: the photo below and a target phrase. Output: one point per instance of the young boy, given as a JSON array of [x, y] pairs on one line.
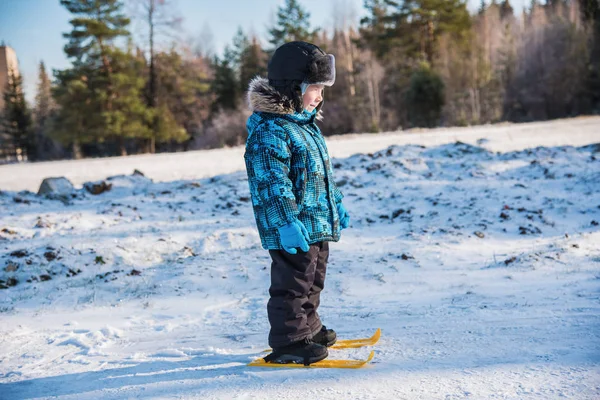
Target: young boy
[[297, 206]]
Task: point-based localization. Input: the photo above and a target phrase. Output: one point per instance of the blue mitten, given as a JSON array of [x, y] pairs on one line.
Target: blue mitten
[[294, 235], [344, 217]]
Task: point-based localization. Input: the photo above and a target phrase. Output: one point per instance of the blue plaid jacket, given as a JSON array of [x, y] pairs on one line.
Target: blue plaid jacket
[[289, 170]]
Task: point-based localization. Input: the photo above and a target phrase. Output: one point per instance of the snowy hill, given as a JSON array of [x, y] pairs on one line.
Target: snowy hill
[[475, 250]]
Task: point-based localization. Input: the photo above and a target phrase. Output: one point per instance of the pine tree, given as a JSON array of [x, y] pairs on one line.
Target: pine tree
[[293, 23], [590, 10], [96, 25], [482, 7], [418, 24], [43, 111], [44, 103], [17, 119], [246, 58], [253, 62], [506, 10], [164, 126], [106, 79], [374, 31], [225, 85], [507, 70], [128, 116], [425, 98], [78, 118], [239, 45], [183, 95]]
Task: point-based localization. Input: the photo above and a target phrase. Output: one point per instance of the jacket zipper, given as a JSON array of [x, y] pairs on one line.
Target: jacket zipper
[[327, 177]]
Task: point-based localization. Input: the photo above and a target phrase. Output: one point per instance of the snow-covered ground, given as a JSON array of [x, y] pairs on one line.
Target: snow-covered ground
[[480, 261]]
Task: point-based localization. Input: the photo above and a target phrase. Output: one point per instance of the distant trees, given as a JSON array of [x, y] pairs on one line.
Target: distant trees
[[242, 60], [493, 66], [43, 112], [18, 142], [411, 63]]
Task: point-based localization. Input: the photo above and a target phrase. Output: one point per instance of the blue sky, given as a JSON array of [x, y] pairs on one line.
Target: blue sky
[[34, 27]]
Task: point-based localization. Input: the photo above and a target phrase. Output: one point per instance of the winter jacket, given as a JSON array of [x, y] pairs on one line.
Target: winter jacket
[[289, 169]]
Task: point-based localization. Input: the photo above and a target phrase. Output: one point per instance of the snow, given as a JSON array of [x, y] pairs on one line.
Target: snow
[[474, 249]]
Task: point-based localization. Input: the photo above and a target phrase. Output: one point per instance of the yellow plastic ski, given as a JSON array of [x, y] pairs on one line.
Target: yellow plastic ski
[[353, 364], [354, 343]]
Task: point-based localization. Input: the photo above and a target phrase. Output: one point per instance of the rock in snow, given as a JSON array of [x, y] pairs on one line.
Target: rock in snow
[[60, 187], [96, 188]]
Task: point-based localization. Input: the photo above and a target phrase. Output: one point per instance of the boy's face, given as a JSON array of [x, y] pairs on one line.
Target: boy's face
[[312, 97]]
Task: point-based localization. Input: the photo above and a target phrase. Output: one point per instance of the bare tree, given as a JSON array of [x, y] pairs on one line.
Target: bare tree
[[161, 20], [344, 15], [552, 63]]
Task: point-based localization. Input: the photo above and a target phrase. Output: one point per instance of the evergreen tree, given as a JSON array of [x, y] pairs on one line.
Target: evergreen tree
[[239, 45], [78, 117], [17, 119], [253, 62], [105, 78], [482, 8], [506, 10], [96, 25], [183, 95], [246, 58], [533, 4], [590, 10], [507, 66], [418, 24], [43, 111], [164, 126], [374, 29], [44, 103], [225, 85], [127, 115], [425, 98], [293, 23]]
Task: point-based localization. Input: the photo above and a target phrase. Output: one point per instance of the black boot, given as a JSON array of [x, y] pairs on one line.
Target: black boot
[[325, 337], [303, 352]]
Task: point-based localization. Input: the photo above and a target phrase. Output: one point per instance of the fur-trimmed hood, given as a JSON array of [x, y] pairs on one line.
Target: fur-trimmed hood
[[263, 97]]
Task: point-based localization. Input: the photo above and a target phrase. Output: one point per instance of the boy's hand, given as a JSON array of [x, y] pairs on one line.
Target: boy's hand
[[344, 217], [294, 235]]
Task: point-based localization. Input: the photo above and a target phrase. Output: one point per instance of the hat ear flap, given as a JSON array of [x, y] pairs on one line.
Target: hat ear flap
[[322, 70], [298, 98]]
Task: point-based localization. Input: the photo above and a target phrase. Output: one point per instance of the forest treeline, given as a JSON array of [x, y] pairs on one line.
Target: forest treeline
[[405, 64]]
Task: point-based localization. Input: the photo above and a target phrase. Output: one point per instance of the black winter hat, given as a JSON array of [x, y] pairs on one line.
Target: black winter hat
[[297, 63], [303, 62]]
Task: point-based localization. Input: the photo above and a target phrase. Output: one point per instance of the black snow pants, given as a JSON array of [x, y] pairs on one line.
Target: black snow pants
[[296, 284]]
